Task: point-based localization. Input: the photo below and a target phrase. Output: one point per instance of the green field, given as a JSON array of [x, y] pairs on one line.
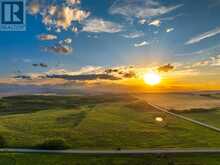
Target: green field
[[96, 122], [51, 159], [208, 116], [214, 96]]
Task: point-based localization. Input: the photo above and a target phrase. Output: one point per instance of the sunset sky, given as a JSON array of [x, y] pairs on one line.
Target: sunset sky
[[88, 44]]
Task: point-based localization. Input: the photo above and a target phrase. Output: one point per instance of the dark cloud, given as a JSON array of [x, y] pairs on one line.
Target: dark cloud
[[113, 74], [166, 68], [59, 48], [85, 77], [23, 77], [109, 71], [130, 74], [123, 72], [35, 65], [43, 65]]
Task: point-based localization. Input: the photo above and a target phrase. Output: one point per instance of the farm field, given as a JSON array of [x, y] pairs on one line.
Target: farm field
[[208, 116], [51, 159], [96, 122], [214, 95], [183, 101]]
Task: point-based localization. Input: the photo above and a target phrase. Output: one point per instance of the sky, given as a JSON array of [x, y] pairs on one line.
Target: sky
[[86, 44]]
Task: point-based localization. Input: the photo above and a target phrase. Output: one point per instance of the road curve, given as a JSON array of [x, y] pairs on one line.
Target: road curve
[[111, 152]]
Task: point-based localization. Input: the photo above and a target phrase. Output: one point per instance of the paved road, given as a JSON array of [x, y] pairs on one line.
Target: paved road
[[113, 152]]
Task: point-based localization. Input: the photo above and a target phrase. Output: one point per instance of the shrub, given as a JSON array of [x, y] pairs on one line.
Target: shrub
[[54, 144], [3, 142]]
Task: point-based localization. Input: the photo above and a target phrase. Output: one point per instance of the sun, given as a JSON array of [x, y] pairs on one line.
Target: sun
[[152, 78]]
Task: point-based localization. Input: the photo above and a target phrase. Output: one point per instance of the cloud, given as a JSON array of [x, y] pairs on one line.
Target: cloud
[[84, 77], [66, 41], [122, 72], [156, 23], [34, 7], [46, 37], [201, 63], [99, 25], [169, 30], [83, 70], [66, 15], [43, 65], [75, 29], [62, 47], [142, 21], [133, 35], [59, 48], [141, 8], [215, 60], [58, 16], [84, 74], [22, 77], [141, 44], [73, 2], [211, 61], [166, 68], [203, 36]]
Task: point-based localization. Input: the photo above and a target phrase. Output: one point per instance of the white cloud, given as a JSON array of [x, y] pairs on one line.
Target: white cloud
[[215, 60], [99, 25], [52, 9], [203, 36], [156, 23], [47, 37], [66, 41], [141, 44], [142, 21], [140, 8], [169, 30], [66, 15], [57, 16], [73, 2], [83, 70], [34, 7], [211, 61], [75, 29], [133, 35]]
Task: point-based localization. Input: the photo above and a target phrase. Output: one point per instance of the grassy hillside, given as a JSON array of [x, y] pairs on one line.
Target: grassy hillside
[[209, 116], [96, 122]]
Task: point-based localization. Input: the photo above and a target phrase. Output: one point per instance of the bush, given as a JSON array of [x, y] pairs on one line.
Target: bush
[[54, 144], [3, 142]]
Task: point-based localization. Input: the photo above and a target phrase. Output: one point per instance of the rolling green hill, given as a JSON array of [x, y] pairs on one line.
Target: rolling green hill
[[96, 122]]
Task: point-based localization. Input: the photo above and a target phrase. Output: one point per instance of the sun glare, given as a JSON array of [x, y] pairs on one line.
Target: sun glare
[[152, 78], [159, 119]]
